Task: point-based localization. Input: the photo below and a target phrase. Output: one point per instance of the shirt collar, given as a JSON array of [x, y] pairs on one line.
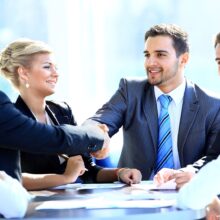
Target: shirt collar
[[176, 94]]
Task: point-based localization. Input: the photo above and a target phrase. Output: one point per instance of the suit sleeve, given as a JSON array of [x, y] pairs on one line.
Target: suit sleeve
[[200, 191], [212, 153], [113, 112], [22, 133]]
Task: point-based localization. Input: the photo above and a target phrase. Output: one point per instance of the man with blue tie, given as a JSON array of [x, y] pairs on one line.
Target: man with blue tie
[[192, 116]]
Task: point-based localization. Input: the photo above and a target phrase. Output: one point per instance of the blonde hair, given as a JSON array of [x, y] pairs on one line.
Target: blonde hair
[[20, 53]]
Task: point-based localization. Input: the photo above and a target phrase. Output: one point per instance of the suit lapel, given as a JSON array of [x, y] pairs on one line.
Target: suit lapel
[[52, 115], [189, 111], [21, 105], [150, 110]]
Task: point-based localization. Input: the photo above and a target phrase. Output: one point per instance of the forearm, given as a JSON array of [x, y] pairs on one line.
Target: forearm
[[107, 175], [43, 181]]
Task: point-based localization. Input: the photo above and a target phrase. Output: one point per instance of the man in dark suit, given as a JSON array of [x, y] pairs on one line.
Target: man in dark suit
[[18, 132], [213, 152], [194, 113]]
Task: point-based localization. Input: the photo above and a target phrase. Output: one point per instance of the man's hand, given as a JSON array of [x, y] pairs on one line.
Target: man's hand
[[213, 210], [163, 176], [181, 178], [166, 174], [129, 176], [104, 152]]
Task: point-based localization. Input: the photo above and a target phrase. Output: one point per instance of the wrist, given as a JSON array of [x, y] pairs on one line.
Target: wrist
[[119, 172]]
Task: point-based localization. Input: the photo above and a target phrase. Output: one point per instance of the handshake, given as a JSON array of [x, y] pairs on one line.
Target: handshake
[[96, 151]]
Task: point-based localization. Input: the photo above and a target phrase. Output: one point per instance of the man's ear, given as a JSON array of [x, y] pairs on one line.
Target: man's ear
[[184, 58], [23, 73]]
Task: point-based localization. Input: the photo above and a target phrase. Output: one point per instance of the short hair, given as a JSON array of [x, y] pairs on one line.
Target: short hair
[[178, 35], [20, 53], [217, 39]]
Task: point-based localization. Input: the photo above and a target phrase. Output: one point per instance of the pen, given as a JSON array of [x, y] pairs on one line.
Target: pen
[[66, 157]]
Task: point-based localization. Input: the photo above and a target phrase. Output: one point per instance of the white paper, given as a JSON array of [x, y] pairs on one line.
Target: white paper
[[100, 186], [149, 185], [67, 186], [100, 203], [171, 184]]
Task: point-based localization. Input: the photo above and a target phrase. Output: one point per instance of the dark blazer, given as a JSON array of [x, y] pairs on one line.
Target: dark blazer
[[133, 106], [18, 132], [59, 113], [212, 154]]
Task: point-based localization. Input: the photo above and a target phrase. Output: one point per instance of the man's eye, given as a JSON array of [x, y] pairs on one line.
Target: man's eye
[[147, 55], [160, 55]]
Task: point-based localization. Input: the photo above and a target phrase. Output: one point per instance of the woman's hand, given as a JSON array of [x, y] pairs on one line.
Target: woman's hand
[[75, 167]]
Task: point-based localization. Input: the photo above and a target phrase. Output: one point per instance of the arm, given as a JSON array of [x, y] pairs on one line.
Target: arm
[[212, 153], [204, 185], [75, 167], [14, 198], [18, 130], [112, 113]]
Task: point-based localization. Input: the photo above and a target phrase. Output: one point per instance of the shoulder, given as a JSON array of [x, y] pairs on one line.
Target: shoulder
[[61, 110], [134, 83], [4, 98], [203, 93], [59, 107]]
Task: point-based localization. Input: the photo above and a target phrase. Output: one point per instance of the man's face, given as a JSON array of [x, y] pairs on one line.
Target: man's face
[[217, 57], [164, 69]]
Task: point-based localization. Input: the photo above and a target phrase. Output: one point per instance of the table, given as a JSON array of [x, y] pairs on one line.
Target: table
[[116, 194]]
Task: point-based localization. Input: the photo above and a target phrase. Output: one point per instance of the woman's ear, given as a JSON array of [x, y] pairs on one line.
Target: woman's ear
[[23, 73]]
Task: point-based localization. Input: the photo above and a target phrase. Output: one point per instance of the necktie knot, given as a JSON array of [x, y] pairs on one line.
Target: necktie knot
[[165, 101]]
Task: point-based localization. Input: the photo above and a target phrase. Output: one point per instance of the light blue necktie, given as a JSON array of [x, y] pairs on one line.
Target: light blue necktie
[[164, 153]]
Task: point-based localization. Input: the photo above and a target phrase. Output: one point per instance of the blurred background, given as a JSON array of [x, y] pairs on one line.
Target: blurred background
[[97, 42]]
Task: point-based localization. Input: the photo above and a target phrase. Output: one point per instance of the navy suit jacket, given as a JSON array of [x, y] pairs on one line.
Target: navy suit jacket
[[134, 108], [59, 113], [18, 132]]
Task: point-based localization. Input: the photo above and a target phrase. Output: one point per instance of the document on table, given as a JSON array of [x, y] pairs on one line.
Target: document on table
[[144, 195], [149, 185], [79, 186], [100, 203]]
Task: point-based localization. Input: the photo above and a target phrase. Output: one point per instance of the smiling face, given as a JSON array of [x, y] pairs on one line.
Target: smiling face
[[42, 75], [164, 69], [217, 56]]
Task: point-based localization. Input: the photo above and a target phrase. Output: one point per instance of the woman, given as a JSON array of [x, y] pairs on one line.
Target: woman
[[30, 67]]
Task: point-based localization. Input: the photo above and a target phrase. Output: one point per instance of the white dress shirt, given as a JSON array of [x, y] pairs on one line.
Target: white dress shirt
[[201, 190], [174, 109], [14, 198]]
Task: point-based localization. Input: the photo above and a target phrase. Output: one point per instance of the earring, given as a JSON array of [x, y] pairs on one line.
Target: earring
[[27, 85]]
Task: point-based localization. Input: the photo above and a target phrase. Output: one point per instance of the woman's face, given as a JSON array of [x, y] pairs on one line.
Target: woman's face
[[42, 75]]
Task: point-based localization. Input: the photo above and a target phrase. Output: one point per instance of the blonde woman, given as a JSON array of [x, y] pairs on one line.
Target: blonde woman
[[32, 71]]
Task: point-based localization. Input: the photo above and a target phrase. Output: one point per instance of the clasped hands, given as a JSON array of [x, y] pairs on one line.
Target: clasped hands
[[180, 177], [104, 152]]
